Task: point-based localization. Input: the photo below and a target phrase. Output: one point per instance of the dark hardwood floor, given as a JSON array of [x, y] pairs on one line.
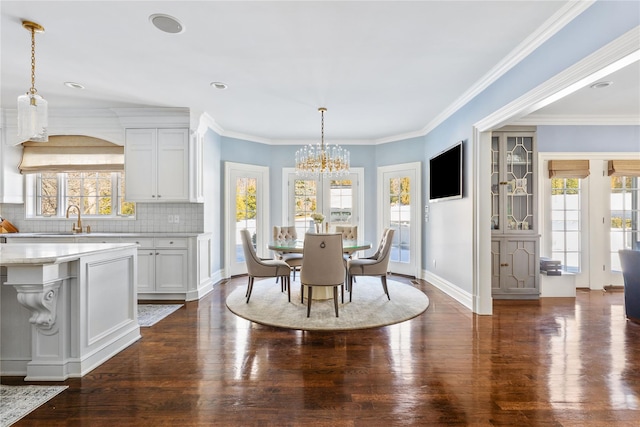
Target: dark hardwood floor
[[554, 362]]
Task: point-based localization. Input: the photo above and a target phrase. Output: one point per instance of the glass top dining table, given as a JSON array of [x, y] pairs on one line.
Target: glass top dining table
[[296, 246]]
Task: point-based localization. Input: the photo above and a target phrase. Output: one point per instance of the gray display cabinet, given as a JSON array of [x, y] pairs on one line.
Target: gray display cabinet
[[515, 243]]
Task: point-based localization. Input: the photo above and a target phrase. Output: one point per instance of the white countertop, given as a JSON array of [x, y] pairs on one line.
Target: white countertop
[[53, 253], [53, 234]]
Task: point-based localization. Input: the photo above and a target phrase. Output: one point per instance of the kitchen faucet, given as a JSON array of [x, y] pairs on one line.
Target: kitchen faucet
[[75, 229]]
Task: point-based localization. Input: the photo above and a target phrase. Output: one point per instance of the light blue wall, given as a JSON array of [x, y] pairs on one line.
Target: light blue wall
[[588, 138]]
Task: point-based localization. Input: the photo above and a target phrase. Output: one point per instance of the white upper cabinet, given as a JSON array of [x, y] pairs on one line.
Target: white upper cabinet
[[157, 165]]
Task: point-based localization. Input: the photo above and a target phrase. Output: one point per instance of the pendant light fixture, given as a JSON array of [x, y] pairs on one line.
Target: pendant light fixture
[[329, 161], [32, 108]]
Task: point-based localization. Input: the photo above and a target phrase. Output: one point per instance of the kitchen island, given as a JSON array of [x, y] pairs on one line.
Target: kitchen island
[[65, 308]]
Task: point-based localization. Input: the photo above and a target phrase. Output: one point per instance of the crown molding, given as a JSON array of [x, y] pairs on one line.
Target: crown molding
[[578, 120], [341, 142], [201, 122]]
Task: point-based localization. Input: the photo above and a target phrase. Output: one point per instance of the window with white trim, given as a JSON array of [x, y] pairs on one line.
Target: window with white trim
[[566, 222], [98, 194], [625, 216]]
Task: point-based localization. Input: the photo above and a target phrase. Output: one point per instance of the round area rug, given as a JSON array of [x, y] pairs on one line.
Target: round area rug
[[370, 307]]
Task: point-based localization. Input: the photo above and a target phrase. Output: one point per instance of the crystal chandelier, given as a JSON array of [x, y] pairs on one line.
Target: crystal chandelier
[[32, 108], [329, 161]]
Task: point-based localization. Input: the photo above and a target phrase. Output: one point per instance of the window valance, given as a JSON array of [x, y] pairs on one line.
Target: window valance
[[568, 168], [65, 153], [624, 167]]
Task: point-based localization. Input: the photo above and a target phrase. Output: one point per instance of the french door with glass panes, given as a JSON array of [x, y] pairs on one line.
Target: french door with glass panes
[[624, 221], [338, 199], [399, 209], [587, 221], [246, 206]]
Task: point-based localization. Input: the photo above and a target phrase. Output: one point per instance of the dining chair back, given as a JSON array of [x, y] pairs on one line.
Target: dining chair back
[[258, 267], [284, 233], [349, 232], [375, 265], [322, 265], [630, 262], [287, 233]]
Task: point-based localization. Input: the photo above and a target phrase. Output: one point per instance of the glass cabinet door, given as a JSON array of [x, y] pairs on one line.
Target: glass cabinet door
[[519, 183], [495, 183]]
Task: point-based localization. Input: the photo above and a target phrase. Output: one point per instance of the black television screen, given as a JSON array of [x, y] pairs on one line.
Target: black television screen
[[446, 174]]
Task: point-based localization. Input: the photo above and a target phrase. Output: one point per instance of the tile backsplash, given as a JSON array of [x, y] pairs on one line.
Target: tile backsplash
[[150, 217]]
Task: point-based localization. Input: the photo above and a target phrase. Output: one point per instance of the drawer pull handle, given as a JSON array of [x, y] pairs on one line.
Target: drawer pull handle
[[157, 253], [171, 243], [504, 265]]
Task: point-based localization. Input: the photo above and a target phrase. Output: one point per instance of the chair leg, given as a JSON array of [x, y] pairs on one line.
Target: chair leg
[[301, 293], [249, 288], [288, 285], [384, 285], [350, 287], [342, 292], [309, 300], [335, 299]]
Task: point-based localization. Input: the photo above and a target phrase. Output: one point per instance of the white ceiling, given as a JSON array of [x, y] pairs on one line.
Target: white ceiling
[[383, 68]]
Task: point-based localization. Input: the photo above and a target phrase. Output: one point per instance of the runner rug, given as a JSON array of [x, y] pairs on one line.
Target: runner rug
[[370, 307], [18, 401], [150, 314]]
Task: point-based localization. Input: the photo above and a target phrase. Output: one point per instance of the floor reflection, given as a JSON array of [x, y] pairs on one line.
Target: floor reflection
[[556, 362]]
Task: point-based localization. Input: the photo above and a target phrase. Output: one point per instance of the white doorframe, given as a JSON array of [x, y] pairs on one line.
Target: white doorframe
[[261, 174], [413, 170]]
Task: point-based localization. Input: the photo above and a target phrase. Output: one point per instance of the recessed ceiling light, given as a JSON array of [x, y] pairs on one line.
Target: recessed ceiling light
[[73, 85], [600, 85], [166, 23], [219, 85]]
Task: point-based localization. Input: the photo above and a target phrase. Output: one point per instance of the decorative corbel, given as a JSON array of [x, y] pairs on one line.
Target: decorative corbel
[[41, 301]]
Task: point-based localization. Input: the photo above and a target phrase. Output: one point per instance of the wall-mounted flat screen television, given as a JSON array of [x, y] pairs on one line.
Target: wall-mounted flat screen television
[[446, 173]]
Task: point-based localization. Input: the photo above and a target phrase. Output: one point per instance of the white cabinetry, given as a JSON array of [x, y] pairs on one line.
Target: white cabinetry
[[171, 265], [163, 267], [157, 165], [11, 181]]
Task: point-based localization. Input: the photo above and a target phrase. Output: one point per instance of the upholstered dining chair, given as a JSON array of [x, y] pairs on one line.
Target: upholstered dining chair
[[322, 265], [349, 232], [630, 263], [375, 265], [259, 267], [285, 233]]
